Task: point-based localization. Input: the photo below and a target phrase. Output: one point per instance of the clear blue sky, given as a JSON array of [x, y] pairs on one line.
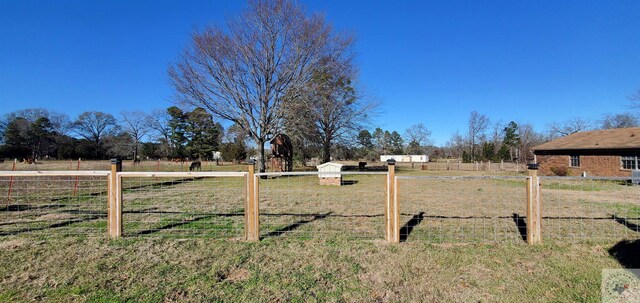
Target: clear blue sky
[[430, 62]]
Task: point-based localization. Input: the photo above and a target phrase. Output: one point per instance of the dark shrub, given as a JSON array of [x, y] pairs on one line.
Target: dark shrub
[[560, 170]]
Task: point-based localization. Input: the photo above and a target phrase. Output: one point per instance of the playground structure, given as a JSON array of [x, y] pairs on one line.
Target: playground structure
[[281, 153]]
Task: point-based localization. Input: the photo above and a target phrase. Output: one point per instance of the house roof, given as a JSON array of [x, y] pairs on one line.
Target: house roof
[[617, 138]]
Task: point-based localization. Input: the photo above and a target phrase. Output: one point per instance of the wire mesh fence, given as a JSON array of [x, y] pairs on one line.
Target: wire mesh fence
[[462, 209], [469, 209], [127, 165], [589, 208], [298, 205], [200, 205], [212, 204], [53, 204], [175, 166], [456, 165]]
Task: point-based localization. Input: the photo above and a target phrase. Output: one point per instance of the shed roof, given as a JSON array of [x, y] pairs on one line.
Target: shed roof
[[617, 138], [333, 164]]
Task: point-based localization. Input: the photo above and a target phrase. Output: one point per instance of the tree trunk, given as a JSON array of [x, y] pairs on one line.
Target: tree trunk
[[326, 151], [263, 160], [135, 151], [97, 155]]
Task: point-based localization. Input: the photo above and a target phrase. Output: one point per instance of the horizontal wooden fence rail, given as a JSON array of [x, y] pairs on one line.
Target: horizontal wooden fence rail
[[92, 173], [180, 174]]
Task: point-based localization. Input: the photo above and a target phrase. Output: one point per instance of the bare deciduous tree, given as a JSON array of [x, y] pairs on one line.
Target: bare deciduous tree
[[619, 121], [158, 122], [245, 73], [496, 133], [635, 100], [456, 145], [556, 130], [329, 109], [418, 133], [137, 125], [95, 127], [528, 138], [478, 124], [59, 121]]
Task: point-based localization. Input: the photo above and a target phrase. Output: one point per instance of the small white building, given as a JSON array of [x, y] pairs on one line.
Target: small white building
[[406, 158], [329, 173]]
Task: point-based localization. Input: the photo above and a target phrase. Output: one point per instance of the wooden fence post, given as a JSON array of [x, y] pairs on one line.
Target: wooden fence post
[[392, 209], [534, 206], [114, 209], [251, 208]]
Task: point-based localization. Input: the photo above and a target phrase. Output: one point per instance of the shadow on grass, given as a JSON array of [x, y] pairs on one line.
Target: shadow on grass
[[187, 222], [53, 226], [25, 207], [626, 253], [406, 229], [171, 225], [625, 221], [89, 216], [521, 225], [294, 226], [348, 182]]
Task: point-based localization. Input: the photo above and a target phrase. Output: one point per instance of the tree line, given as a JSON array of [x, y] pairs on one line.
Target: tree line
[[512, 141], [176, 133], [172, 133]]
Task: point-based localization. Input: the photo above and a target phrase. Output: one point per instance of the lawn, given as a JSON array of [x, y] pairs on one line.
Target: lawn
[[182, 240], [290, 269]]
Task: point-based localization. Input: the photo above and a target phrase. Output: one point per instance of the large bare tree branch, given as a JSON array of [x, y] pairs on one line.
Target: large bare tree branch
[[136, 124], [569, 127], [246, 73]]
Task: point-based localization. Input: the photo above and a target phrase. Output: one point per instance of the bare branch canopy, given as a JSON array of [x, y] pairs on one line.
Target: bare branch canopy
[[246, 72]]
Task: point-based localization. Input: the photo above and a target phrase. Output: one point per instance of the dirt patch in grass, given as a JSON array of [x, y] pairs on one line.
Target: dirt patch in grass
[[237, 275], [55, 216], [13, 244]]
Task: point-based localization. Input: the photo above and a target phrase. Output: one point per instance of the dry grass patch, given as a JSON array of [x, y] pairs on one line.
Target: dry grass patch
[[63, 269]]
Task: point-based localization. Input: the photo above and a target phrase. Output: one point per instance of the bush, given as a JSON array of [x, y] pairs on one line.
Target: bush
[[560, 170]]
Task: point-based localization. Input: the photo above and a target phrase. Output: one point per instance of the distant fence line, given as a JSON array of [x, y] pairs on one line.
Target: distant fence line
[[253, 206], [458, 165]]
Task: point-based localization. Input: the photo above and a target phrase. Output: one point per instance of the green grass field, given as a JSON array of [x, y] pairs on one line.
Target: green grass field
[[142, 269], [462, 240]]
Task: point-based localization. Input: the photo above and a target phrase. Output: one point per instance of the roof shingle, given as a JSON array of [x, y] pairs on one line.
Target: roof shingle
[[618, 138]]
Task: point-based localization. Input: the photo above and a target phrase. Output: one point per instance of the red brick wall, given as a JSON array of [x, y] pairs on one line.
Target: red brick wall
[[331, 181], [548, 161], [596, 165]]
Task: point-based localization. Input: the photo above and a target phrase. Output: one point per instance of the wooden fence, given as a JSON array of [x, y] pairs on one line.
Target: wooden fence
[[393, 193]]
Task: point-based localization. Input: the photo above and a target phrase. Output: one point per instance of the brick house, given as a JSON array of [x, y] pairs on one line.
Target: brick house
[[610, 152]]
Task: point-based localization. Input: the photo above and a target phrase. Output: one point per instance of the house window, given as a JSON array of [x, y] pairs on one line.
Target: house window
[[575, 161], [630, 162]]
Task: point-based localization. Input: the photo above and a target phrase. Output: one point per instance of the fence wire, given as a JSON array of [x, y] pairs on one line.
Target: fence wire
[[184, 207], [105, 165], [462, 209], [476, 166], [296, 204], [589, 209], [433, 209], [45, 205]]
